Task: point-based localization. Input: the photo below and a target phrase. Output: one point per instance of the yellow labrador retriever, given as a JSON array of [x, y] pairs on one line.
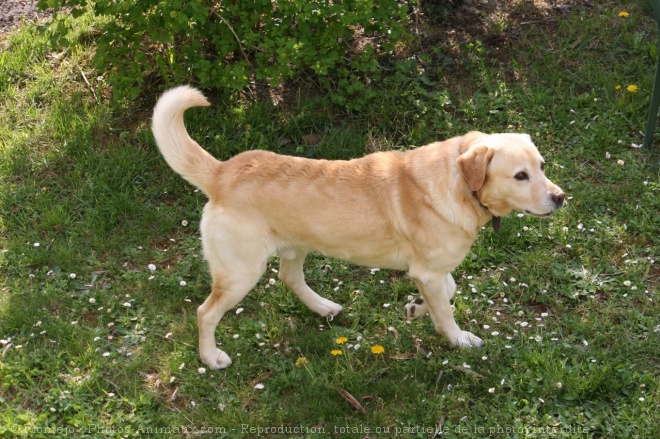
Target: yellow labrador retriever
[[418, 211]]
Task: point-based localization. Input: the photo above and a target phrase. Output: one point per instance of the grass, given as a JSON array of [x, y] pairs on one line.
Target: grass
[[101, 274]]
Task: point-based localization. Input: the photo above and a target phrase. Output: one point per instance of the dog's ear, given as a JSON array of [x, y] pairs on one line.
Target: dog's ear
[[473, 164]]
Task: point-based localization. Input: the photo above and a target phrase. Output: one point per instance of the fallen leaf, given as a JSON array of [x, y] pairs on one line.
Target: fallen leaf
[[173, 395], [312, 139], [406, 356], [394, 332], [261, 378], [467, 371], [351, 400]]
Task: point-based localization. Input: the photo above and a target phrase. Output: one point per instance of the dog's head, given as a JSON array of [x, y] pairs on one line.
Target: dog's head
[[506, 172]]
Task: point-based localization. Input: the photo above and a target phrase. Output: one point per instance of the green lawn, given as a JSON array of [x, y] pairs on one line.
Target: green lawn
[[101, 273]]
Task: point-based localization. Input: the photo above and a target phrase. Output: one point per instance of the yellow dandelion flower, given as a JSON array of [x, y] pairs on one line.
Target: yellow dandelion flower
[[377, 349], [618, 87], [336, 352], [341, 340], [301, 361], [632, 88], [623, 14]]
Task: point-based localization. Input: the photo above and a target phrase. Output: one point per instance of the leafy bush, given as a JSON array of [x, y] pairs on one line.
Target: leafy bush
[[230, 44]]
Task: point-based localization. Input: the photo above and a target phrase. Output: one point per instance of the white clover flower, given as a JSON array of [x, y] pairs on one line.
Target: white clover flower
[[92, 300], [491, 390], [36, 244], [151, 267], [620, 162], [627, 283], [259, 386], [201, 371], [184, 223], [182, 283], [72, 275], [126, 304], [239, 310], [106, 354], [559, 385]]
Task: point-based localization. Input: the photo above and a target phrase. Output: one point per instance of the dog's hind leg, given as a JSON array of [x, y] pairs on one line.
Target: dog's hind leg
[[237, 258], [227, 292], [291, 273]]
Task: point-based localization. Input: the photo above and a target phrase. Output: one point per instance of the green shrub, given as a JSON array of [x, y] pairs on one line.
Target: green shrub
[[230, 44]]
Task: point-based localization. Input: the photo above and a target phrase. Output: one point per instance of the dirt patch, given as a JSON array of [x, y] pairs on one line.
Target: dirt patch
[[14, 13]]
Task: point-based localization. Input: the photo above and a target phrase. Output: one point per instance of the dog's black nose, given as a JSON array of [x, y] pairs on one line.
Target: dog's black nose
[[558, 198]]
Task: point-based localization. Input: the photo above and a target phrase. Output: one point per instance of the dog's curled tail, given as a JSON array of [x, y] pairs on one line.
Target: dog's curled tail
[[181, 152]]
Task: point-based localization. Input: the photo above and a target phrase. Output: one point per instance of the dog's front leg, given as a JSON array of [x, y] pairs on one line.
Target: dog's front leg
[[434, 290]]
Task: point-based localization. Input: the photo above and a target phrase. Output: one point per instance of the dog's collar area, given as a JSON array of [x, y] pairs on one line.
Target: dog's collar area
[[496, 219]]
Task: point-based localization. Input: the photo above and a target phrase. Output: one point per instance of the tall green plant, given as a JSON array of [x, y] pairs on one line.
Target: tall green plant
[[228, 44]]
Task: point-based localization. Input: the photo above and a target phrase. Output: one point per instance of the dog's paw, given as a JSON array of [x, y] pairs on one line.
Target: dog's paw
[[326, 308], [416, 308], [216, 359], [466, 339]]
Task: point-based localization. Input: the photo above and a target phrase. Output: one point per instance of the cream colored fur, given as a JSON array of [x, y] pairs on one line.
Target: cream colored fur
[[417, 211]]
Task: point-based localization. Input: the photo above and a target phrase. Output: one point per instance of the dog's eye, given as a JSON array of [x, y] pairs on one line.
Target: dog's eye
[[542, 166], [520, 176]]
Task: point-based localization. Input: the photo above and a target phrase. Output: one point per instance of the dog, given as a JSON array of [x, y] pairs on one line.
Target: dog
[[417, 211]]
